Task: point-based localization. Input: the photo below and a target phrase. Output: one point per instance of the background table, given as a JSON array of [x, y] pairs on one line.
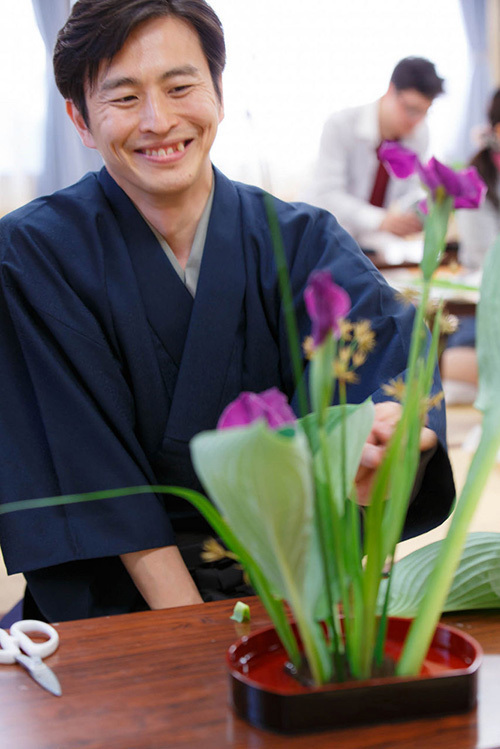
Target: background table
[[159, 679]]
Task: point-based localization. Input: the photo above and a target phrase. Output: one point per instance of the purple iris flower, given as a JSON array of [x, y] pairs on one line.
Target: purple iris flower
[[466, 187], [270, 405], [401, 161], [326, 303]]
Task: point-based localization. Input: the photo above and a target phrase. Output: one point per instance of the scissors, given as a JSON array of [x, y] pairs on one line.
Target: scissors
[[12, 645]]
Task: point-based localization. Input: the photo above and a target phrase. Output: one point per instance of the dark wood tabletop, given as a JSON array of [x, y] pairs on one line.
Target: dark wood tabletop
[[158, 679]]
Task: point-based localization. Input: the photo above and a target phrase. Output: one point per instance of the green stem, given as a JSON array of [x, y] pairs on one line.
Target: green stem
[[311, 634], [324, 525], [343, 441], [332, 550], [419, 334], [382, 627], [349, 620]]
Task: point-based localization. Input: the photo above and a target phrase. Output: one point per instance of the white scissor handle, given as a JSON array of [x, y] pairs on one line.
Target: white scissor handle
[[18, 632], [8, 648]]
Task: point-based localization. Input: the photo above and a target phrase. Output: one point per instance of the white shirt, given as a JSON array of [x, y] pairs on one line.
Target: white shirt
[[477, 230], [347, 166]]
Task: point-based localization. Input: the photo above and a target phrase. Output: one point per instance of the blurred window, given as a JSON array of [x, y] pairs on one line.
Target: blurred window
[[290, 64]]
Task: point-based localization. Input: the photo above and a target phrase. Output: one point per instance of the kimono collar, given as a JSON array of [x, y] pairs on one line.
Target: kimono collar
[[199, 334]]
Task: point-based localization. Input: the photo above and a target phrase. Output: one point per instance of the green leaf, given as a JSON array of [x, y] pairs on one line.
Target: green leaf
[[488, 339], [261, 481], [448, 283], [287, 304], [444, 283], [359, 420], [476, 584]]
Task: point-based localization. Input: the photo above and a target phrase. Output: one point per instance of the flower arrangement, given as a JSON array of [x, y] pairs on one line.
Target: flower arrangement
[[282, 489]]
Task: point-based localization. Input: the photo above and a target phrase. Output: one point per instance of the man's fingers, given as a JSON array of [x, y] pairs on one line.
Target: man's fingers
[[428, 439], [387, 415], [382, 431], [371, 456]]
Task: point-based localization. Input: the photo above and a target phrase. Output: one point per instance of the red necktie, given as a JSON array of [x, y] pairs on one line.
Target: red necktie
[[380, 185]]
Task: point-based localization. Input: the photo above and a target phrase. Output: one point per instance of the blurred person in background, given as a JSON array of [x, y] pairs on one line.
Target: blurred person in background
[[350, 181]]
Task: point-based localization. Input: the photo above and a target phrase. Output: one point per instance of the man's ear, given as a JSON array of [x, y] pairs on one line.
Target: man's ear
[[79, 123], [221, 101]]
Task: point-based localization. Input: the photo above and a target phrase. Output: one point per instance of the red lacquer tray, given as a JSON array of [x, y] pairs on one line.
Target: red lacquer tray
[[264, 694]]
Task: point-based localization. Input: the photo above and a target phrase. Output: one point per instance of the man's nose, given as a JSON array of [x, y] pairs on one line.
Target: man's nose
[[157, 114]]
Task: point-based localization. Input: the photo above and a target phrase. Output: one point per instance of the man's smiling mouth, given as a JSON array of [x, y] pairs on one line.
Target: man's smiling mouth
[[163, 151]]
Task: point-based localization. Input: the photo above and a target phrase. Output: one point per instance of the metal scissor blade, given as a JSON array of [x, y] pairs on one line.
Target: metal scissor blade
[[41, 673]]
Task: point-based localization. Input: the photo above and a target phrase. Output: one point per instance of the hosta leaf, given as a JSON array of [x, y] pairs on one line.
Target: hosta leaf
[[261, 482], [476, 584]]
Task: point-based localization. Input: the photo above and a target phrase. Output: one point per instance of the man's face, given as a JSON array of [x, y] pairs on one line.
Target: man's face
[[405, 110], [154, 113]]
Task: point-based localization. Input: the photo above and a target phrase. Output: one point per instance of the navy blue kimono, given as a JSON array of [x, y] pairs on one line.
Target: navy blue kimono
[[108, 368]]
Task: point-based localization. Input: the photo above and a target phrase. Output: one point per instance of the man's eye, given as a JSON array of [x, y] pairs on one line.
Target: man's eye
[[125, 99], [180, 89]]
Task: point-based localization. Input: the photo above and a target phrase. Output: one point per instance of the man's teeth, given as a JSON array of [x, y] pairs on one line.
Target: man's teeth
[[165, 151]]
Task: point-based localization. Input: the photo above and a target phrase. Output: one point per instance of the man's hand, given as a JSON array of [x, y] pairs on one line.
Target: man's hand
[[401, 224], [161, 577], [387, 415]]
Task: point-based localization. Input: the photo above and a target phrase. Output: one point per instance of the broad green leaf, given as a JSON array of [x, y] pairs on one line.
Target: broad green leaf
[[476, 584], [261, 481], [358, 426], [332, 420]]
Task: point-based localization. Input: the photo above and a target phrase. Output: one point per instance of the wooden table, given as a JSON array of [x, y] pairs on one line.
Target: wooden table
[[158, 679]]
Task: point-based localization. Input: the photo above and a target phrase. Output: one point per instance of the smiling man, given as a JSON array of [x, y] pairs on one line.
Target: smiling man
[[350, 181], [136, 304]]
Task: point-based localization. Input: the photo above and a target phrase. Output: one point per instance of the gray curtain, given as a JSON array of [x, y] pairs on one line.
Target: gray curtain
[[480, 86], [66, 159]]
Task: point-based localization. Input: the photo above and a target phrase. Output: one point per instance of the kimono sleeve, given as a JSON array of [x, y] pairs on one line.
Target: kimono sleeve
[[319, 242], [66, 426]]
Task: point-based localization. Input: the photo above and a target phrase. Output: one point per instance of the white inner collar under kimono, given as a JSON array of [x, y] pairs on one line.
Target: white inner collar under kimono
[[190, 274]]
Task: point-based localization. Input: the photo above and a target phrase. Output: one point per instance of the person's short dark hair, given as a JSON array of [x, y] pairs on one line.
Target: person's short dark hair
[[419, 74], [96, 30]]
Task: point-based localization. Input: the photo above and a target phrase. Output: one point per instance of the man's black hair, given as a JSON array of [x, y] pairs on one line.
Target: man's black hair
[[97, 29], [419, 74]]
